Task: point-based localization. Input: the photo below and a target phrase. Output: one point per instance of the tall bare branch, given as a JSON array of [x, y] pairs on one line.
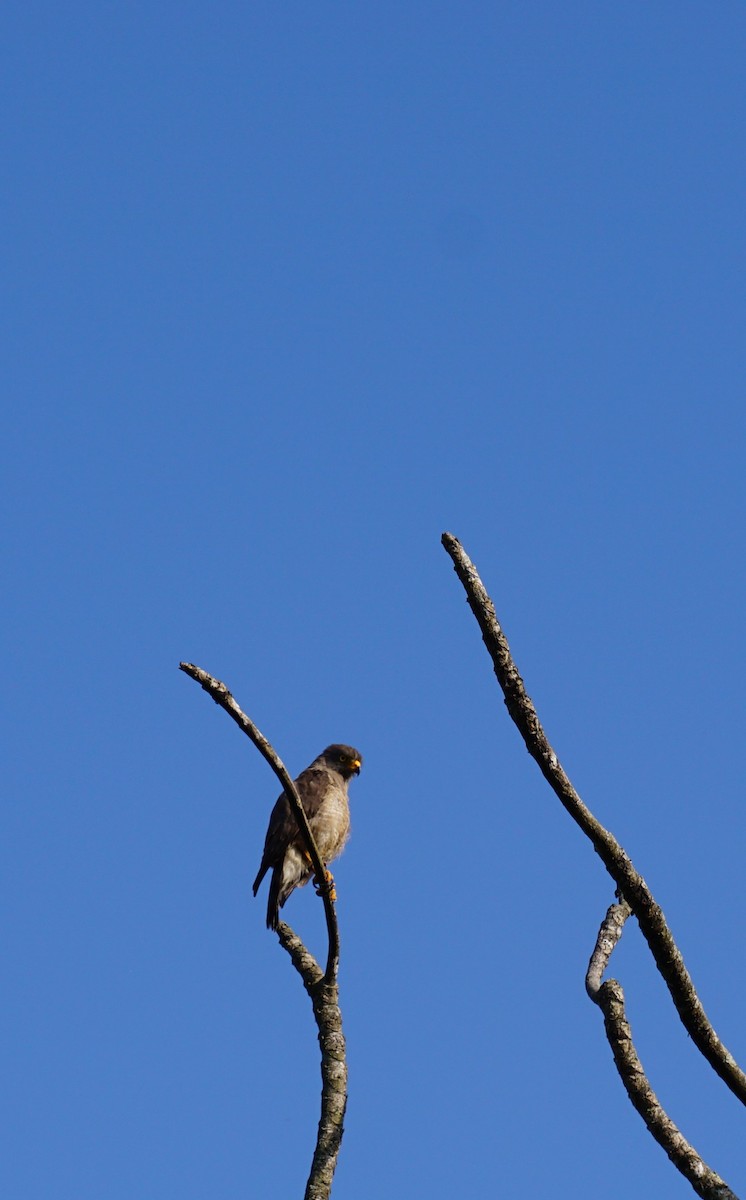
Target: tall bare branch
[[321, 985], [632, 886]]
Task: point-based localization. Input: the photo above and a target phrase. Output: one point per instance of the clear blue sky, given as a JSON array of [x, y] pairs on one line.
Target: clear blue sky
[[290, 289]]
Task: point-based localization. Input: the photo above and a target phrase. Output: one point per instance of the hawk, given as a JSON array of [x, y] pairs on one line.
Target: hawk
[[323, 791]]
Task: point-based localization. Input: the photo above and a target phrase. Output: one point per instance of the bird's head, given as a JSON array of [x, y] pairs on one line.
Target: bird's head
[[346, 760]]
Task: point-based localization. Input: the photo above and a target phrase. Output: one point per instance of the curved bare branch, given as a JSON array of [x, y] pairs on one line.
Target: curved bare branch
[[610, 999], [224, 699], [631, 884], [321, 986]]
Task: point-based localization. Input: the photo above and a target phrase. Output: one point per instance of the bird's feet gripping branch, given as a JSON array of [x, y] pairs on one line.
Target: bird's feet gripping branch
[[326, 884], [323, 791]]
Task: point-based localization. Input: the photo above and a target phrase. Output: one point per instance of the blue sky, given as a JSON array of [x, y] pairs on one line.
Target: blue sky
[[289, 290]]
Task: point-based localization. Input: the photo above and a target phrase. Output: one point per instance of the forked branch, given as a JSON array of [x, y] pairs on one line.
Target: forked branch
[[610, 999], [630, 883]]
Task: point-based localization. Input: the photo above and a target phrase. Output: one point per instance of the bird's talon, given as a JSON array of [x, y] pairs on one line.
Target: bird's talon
[[327, 884]]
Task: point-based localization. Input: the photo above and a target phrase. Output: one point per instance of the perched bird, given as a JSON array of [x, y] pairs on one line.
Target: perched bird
[[323, 791]]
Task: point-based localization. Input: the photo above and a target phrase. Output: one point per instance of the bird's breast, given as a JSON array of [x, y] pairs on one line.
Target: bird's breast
[[331, 824]]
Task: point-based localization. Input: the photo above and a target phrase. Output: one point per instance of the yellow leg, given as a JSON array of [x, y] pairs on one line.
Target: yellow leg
[[329, 880]]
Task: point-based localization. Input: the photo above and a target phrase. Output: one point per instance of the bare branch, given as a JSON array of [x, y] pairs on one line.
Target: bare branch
[[630, 883], [610, 999], [325, 1001], [321, 986], [223, 697]]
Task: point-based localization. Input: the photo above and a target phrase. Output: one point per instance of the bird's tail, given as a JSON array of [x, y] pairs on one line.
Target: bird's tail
[[262, 872], [273, 900]]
